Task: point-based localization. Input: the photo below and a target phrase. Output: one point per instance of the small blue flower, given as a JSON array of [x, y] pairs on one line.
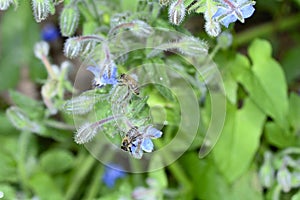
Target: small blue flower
[[111, 174], [105, 76], [231, 10], [50, 33], [145, 141]]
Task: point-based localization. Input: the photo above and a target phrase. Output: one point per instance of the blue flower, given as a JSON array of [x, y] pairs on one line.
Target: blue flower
[[112, 172], [231, 10], [50, 33], [105, 76], [146, 144]]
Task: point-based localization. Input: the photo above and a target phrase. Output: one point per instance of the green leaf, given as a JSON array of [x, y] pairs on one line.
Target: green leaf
[[34, 109], [129, 5], [247, 187], [56, 161], [278, 137], [290, 63], [207, 181], [297, 195], [8, 192], [239, 140], [265, 83], [294, 111], [44, 187], [8, 167]]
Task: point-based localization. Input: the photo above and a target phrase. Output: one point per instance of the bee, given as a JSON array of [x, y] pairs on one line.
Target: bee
[[130, 82], [130, 138]]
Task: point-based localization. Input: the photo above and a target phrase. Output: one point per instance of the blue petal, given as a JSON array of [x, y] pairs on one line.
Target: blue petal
[[228, 19], [152, 132], [94, 70], [111, 174], [220, 11], [147, 145], [50, 33], [240, 2], [247, 11], [136, 153]]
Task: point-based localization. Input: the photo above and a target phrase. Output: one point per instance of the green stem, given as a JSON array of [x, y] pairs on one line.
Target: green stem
[[178, 173], [23, 147], [85, 12], [80, 175], [95, 184], [265, 29], [59, 125]]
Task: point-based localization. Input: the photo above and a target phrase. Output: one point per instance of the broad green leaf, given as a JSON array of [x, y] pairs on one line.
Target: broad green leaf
[[247, 187], [231, 87], [56, 161], [8, 167], [290, 63], [45, 187], [206, 180], [266, 83], [239, 140], [297, 195], [278, 137], [294, 111]]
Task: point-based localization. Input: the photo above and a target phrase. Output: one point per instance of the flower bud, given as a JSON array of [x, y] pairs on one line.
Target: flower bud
[[192, 46], [21, 121], [212, 28], [4, 4], [141, 29], [69, 21], [284, 179], [176, 12], [267, 172], [72, 47], [41, 49], [296, 179], [41, 9], [85, 133], [224, 40], [84, 103]]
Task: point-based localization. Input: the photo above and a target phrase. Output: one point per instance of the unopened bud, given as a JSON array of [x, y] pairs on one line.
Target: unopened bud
[[192, 46], [141, 29], [296, 179], [69, 21], [85, 133], [41, 9], [224, 40], [176, 12], [4, 4], [267, 172], [284, 179], [72, 47], [84, 103], [41, 49]]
